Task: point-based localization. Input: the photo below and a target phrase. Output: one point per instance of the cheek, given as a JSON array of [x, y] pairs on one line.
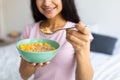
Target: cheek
[[60, 6], [38, 4]]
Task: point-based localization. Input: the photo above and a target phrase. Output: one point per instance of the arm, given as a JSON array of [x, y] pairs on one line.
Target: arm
[[81, 43], [84, 69], [26, 70]]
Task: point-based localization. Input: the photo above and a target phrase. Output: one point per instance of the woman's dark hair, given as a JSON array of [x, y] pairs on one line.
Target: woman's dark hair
[[69, 11]]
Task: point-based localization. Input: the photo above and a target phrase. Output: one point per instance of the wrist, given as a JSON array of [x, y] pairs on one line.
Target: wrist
[[82, 56], [24, 78]]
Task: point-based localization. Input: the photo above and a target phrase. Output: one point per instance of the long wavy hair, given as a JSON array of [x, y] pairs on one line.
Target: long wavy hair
[[69, 11]]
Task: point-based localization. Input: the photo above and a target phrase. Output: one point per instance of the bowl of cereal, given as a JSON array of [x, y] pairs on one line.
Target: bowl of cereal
[[37, 50]]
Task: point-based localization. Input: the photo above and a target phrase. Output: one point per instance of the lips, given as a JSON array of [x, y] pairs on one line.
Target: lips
[[48, 10]]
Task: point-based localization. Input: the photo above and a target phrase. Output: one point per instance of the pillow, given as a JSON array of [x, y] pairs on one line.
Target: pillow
[[103, 44]]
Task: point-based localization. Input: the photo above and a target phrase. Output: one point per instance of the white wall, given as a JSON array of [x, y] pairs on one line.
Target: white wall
[[0, 15], [105, 14], [1, 18], [16, 14]]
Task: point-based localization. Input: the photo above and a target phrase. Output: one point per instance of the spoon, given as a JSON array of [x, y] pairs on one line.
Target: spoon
[[52, 32]]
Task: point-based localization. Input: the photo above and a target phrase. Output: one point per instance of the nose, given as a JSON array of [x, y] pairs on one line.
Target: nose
[[47, 2]]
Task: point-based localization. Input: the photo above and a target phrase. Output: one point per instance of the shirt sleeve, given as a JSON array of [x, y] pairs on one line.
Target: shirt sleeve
[[26, 32]]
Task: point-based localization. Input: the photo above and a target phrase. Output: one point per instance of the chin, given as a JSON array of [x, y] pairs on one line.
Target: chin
[[50, 17]]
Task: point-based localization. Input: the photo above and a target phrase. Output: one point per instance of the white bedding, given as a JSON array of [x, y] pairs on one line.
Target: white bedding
[[105, 67], [9, 63]]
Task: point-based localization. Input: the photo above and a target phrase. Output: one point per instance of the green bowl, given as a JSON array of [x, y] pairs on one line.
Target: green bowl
[[38, 57]]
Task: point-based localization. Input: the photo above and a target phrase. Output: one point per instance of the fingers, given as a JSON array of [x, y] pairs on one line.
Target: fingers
[[36, 65], [82, 33], [76, 35], [44, 64], [77, 41], [78, 38], [82, 28], [32, 64]]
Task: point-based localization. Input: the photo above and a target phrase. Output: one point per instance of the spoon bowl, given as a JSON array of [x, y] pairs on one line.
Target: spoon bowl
[[52, 32]]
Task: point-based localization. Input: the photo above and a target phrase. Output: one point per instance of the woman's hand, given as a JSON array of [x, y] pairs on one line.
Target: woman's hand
[[36, 65], [80, 40], [27, 69]]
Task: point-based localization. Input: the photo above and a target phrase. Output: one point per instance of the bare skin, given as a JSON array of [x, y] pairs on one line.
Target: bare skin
[[51, 9], [27, 69], [81, 43]]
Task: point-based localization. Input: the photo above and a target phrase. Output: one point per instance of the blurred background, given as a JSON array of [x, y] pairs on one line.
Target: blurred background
[[102, 16]]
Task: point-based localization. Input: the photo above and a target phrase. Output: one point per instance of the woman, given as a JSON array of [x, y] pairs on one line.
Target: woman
[[73, 60]]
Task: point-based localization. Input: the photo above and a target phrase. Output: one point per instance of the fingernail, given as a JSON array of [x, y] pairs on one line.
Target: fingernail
[[41, 64], [48, 62], [33, 64]]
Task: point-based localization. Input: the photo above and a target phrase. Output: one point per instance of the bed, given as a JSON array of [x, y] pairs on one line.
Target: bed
[[105, 57], [106, 66]]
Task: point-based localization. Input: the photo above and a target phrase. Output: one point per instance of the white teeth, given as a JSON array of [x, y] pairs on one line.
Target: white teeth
[[48, 9]]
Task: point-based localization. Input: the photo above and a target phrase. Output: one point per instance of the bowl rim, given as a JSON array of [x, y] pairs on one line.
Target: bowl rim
[[43, 52]]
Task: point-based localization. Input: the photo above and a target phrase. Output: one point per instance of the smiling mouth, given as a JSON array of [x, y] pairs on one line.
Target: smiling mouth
[[48, 10]]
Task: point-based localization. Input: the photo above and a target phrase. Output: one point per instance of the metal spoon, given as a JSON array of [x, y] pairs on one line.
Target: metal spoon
[[52, 32]]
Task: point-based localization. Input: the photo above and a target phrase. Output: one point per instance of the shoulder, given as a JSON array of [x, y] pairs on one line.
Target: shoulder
[[70, 24], [28, 29], [32, 25]]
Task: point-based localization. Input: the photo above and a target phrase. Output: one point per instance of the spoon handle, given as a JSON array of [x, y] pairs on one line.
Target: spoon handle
[[64, 29]]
